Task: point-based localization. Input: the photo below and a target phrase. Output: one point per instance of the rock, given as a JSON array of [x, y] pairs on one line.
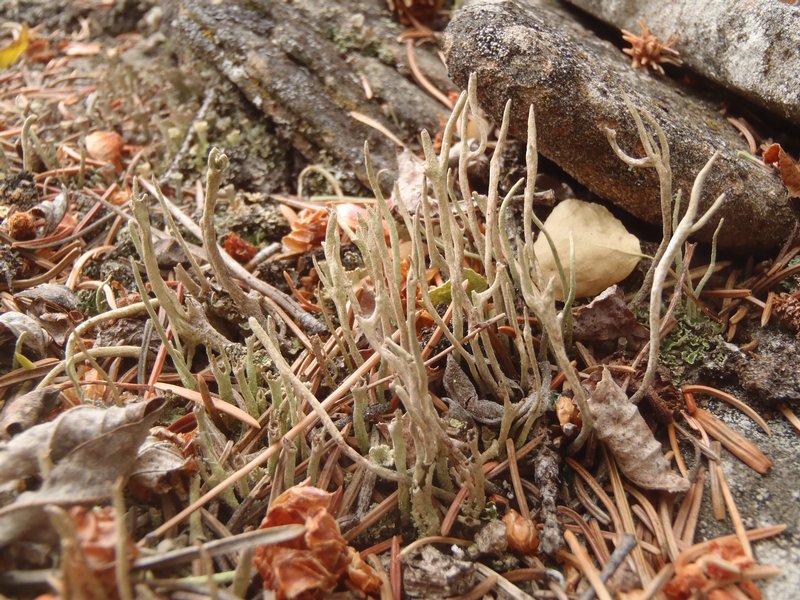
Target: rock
[[763, 500], [288, 59], [750, 47], [770, 373], [536, 54]]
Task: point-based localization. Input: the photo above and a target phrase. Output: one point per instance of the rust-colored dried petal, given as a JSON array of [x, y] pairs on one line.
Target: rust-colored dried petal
[[360, 574], [239, 248], [92, 561], [314, 564]]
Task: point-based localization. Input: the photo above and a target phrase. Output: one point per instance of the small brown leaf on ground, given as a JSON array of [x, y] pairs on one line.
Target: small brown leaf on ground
[[621, 427], [90, 564], [239, 248], [605, 252], [608, 318]]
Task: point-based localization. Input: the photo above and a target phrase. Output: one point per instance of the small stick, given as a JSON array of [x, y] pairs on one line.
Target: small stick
[[613, 563]]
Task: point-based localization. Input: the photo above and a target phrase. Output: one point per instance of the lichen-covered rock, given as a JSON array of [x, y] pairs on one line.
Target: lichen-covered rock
[[748, 46], [536, 55]]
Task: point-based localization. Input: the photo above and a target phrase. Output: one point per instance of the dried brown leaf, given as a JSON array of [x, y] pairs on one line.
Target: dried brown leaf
[[621, 427], [789, 169], [608, 318], [13, 324], [88, 567], [158, 458], [24, 410], [83, 452], [410, 180]]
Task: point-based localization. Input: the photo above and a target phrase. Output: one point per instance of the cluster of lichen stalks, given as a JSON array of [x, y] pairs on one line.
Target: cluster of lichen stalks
[[455, 223]]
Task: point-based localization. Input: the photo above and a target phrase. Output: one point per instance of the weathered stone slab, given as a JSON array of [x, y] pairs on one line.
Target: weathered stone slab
[[751, 47], [576, 82]]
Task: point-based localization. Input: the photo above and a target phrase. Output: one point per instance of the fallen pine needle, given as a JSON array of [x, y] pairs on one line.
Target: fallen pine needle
[[220, 405], [790, 416], [735, 443], [586, 566], [732, 400]]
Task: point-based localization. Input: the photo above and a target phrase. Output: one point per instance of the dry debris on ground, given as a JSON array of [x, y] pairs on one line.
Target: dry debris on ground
[[207, 390]]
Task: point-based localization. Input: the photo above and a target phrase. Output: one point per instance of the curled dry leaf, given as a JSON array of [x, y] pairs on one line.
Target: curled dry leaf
[[464, 397], [159, 458], [105, 146], [314, 564], [621, 427], [410, 181], [86, 448], [308, 228], [789, 169], [605, 253], [14, 324], [88, 566], [24, 410], [521, 533], [50, 213], [52, 294]]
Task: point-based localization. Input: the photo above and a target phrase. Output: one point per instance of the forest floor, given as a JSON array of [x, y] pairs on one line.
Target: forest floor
[[208, 388]]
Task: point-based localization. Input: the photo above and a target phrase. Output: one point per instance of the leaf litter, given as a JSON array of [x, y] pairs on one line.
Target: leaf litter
[[444, 354]]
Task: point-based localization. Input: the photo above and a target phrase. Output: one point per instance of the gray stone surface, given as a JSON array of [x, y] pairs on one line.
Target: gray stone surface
[[576, 82], [751, 47], [762, 501]]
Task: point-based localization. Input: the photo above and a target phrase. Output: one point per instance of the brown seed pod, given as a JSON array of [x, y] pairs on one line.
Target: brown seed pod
[[21, 226], [521, 533], [619, 425], [106, 146]]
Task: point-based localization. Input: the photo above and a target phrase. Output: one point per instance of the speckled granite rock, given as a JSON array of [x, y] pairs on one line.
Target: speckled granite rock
[[751, 47], [576, 82]]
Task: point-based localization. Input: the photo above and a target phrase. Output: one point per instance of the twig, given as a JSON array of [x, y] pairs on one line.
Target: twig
[[614, 562]]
